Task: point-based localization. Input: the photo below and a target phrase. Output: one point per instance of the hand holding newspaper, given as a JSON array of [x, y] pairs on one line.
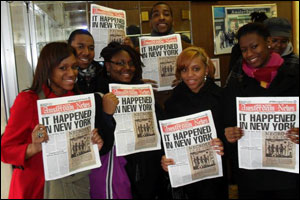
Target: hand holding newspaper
[[69, 122], [187, 141], [136, 129], [265, 122]]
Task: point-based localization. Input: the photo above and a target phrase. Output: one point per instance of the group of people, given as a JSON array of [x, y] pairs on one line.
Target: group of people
[[66, 69]]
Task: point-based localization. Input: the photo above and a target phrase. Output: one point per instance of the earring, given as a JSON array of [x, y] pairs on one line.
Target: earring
[[205, 78], [49, 82], [76, 79], [269, 47]]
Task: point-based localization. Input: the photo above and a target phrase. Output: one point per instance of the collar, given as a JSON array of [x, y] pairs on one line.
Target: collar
[[266, 74], [289, 49], [90, 71], [209, 86], [50, 94], [154, 33]]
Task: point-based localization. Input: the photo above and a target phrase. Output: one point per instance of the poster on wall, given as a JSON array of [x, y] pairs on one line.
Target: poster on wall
[[216, 63], [228, 19]]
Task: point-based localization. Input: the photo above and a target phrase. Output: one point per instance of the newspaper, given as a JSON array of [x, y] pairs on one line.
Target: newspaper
[[159, 55], [136, 129], [187, 141], [265, 121], [107, 25], [69, 122]]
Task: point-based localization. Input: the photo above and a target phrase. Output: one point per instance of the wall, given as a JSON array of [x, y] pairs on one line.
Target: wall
[[6, 170], [296, 26], [203, 29]]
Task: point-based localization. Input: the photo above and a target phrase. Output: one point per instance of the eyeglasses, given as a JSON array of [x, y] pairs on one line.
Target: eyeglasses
[[123, 64]]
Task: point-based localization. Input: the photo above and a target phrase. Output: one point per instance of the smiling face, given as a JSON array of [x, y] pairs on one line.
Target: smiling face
[[121, 67], [193, 74], [161, 19], [63, 76], [254, 50], [84, 45], [278, 44]]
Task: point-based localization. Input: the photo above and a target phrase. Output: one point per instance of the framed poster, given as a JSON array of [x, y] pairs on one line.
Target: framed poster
[[228, 19], [216, 63]]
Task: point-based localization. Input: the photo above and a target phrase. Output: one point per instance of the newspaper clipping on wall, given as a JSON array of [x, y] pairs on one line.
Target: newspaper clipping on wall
[[69, 122], [265, 121], [107, 25], [159, 55], [136, 129], [187, 141]]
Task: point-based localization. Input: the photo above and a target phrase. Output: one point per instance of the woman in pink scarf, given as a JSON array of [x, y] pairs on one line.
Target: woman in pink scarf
[[260, 73]]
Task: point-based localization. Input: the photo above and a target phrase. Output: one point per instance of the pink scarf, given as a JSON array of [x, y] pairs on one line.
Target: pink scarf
[[266, 74]]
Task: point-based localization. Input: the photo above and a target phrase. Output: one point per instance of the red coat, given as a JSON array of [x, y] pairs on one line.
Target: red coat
[[27, 183]]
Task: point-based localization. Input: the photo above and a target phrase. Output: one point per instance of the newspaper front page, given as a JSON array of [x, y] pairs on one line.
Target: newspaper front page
[[107, 25], [136, 129], [265, 121], [159, 56], [69, 122], [187, 141]]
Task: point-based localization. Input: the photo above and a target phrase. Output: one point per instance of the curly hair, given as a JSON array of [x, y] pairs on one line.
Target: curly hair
[[258, 28], [258, 17], [114, 48]]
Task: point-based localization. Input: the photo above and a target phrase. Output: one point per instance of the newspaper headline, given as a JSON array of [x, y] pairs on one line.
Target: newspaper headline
[[187, 141], [265, 121], [136, 129], [69, 122]]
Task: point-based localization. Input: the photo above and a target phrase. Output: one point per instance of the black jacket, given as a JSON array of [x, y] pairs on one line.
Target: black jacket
[[104, 122], [184, 102], [286, 83], [89, 86]]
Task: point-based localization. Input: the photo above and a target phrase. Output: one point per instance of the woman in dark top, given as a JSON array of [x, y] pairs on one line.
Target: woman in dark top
[[136, 175], [197, 93], [261, 74]]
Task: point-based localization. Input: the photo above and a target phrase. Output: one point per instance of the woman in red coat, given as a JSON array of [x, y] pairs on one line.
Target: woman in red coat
[[55, 76]]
